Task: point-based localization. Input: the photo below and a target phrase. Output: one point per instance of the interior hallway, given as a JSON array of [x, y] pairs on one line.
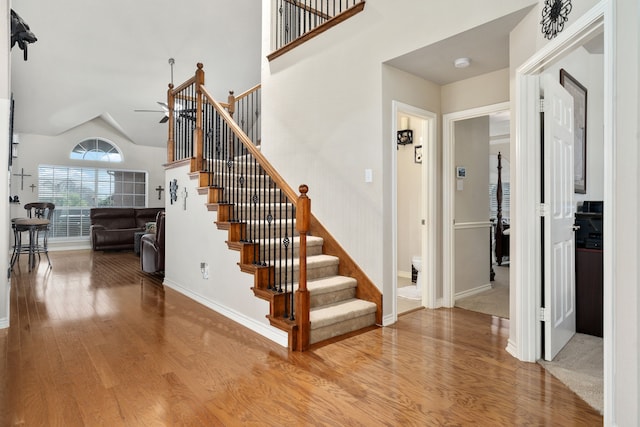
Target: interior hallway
[[94, 341]]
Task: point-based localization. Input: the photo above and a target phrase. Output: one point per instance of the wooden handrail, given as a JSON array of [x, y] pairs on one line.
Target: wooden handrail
[[248, 92], [359, 7], [262, 161], [184, 85]]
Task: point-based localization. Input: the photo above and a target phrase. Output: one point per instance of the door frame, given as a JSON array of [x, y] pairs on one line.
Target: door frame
[[525, 332], [428, 184], [448, 192]]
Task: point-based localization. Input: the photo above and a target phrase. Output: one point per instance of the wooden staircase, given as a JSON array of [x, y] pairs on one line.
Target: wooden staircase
[[335, 308], [315, 289]]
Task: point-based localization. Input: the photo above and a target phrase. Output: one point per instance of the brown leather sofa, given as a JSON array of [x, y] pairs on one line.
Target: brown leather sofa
[[152, 248], [114, 228]]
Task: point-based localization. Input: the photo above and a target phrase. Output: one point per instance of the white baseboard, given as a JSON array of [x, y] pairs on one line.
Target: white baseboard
[[269, 332], [511, 348], [404, 274], [75, 245], [473, 291], [389, 319], [4, 321]]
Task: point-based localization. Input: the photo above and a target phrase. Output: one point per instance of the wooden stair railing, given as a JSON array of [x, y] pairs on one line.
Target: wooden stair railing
[[298, 21], [203, 132]]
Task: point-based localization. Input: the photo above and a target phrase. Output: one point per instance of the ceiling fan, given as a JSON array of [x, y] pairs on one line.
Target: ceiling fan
[[165, 111], [179, 110]]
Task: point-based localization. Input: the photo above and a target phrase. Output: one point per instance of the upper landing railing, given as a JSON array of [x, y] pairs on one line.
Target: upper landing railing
[[297, 21]]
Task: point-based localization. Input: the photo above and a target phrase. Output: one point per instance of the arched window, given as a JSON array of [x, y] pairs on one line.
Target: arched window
[[96, 149]]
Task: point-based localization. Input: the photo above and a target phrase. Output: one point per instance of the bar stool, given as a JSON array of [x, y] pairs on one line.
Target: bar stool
[[38, 220]]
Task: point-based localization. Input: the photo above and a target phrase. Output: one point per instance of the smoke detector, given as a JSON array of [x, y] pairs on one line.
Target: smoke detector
[[462, 62]]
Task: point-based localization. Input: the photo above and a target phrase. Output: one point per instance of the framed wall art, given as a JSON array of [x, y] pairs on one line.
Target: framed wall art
[[579, 94]]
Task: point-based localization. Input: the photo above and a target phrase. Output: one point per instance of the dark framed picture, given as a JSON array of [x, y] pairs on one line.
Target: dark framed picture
[[417, 154], [579, 94], [405, 137]]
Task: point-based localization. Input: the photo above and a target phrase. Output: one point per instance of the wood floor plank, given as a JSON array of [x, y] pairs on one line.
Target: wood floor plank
[[96, 342]]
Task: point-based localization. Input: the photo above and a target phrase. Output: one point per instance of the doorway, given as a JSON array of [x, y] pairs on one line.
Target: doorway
[[485, 288], [526, 337], [414, 164], [465, 236]]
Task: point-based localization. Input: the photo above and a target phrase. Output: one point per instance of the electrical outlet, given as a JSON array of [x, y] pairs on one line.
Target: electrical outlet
[[204, 269]]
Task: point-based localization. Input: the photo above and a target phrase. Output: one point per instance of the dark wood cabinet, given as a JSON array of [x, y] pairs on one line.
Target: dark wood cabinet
[[589, 278]]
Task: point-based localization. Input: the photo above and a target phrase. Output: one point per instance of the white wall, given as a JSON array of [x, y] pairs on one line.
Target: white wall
[[472, 247], [5, 97], [193, 238], [325, 120], [486, 89]]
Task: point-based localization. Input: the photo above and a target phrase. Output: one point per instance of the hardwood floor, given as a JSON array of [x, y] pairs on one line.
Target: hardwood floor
[[95, 342]]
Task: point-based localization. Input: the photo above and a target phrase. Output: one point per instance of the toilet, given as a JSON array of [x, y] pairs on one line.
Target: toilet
[[414, 291], [416, 261]]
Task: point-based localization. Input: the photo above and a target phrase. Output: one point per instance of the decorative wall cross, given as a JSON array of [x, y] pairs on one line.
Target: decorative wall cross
[[159, 189], [21, 175], [184, 198], [33, 187]]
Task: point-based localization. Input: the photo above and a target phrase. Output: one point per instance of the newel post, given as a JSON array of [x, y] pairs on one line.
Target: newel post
[[231, 100], [303, 299], [198, 136], [171, 143]]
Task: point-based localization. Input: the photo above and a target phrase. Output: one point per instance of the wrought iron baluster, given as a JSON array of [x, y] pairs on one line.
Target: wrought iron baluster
[[269, 257], [291, 293]]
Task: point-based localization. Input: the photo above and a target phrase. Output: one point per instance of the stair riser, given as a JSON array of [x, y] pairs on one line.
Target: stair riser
[[332, 297], [275, 253], [248, 180], [262, 212], [313, 272], [277, 230], [241, 195], [341, 328]]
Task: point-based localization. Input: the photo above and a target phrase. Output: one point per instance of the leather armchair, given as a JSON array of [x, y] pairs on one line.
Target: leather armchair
[[152, 248]]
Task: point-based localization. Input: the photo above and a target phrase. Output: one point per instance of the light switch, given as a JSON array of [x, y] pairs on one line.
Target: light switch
[[368, 175], [460, 184]]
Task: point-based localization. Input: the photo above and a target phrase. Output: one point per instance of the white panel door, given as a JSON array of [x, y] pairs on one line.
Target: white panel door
[[559, 238]]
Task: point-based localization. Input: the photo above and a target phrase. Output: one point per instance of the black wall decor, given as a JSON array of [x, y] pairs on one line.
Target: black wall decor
[[20, 33], [173, 190], [554, 14], [405, 137], [11, 107]]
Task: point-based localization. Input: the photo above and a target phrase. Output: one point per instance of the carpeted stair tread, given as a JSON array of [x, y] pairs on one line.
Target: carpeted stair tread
[[316, 261], [330, 284], [339, 312]]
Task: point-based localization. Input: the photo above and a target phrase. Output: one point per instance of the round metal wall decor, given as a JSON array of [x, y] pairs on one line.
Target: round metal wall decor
[[554, 14]]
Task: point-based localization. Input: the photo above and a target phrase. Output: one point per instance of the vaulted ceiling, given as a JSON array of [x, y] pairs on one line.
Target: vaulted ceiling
[[108, 58], [105, 59]]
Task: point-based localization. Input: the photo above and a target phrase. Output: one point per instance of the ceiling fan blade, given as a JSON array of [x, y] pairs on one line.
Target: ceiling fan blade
[[148, 111], [164, 119]]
